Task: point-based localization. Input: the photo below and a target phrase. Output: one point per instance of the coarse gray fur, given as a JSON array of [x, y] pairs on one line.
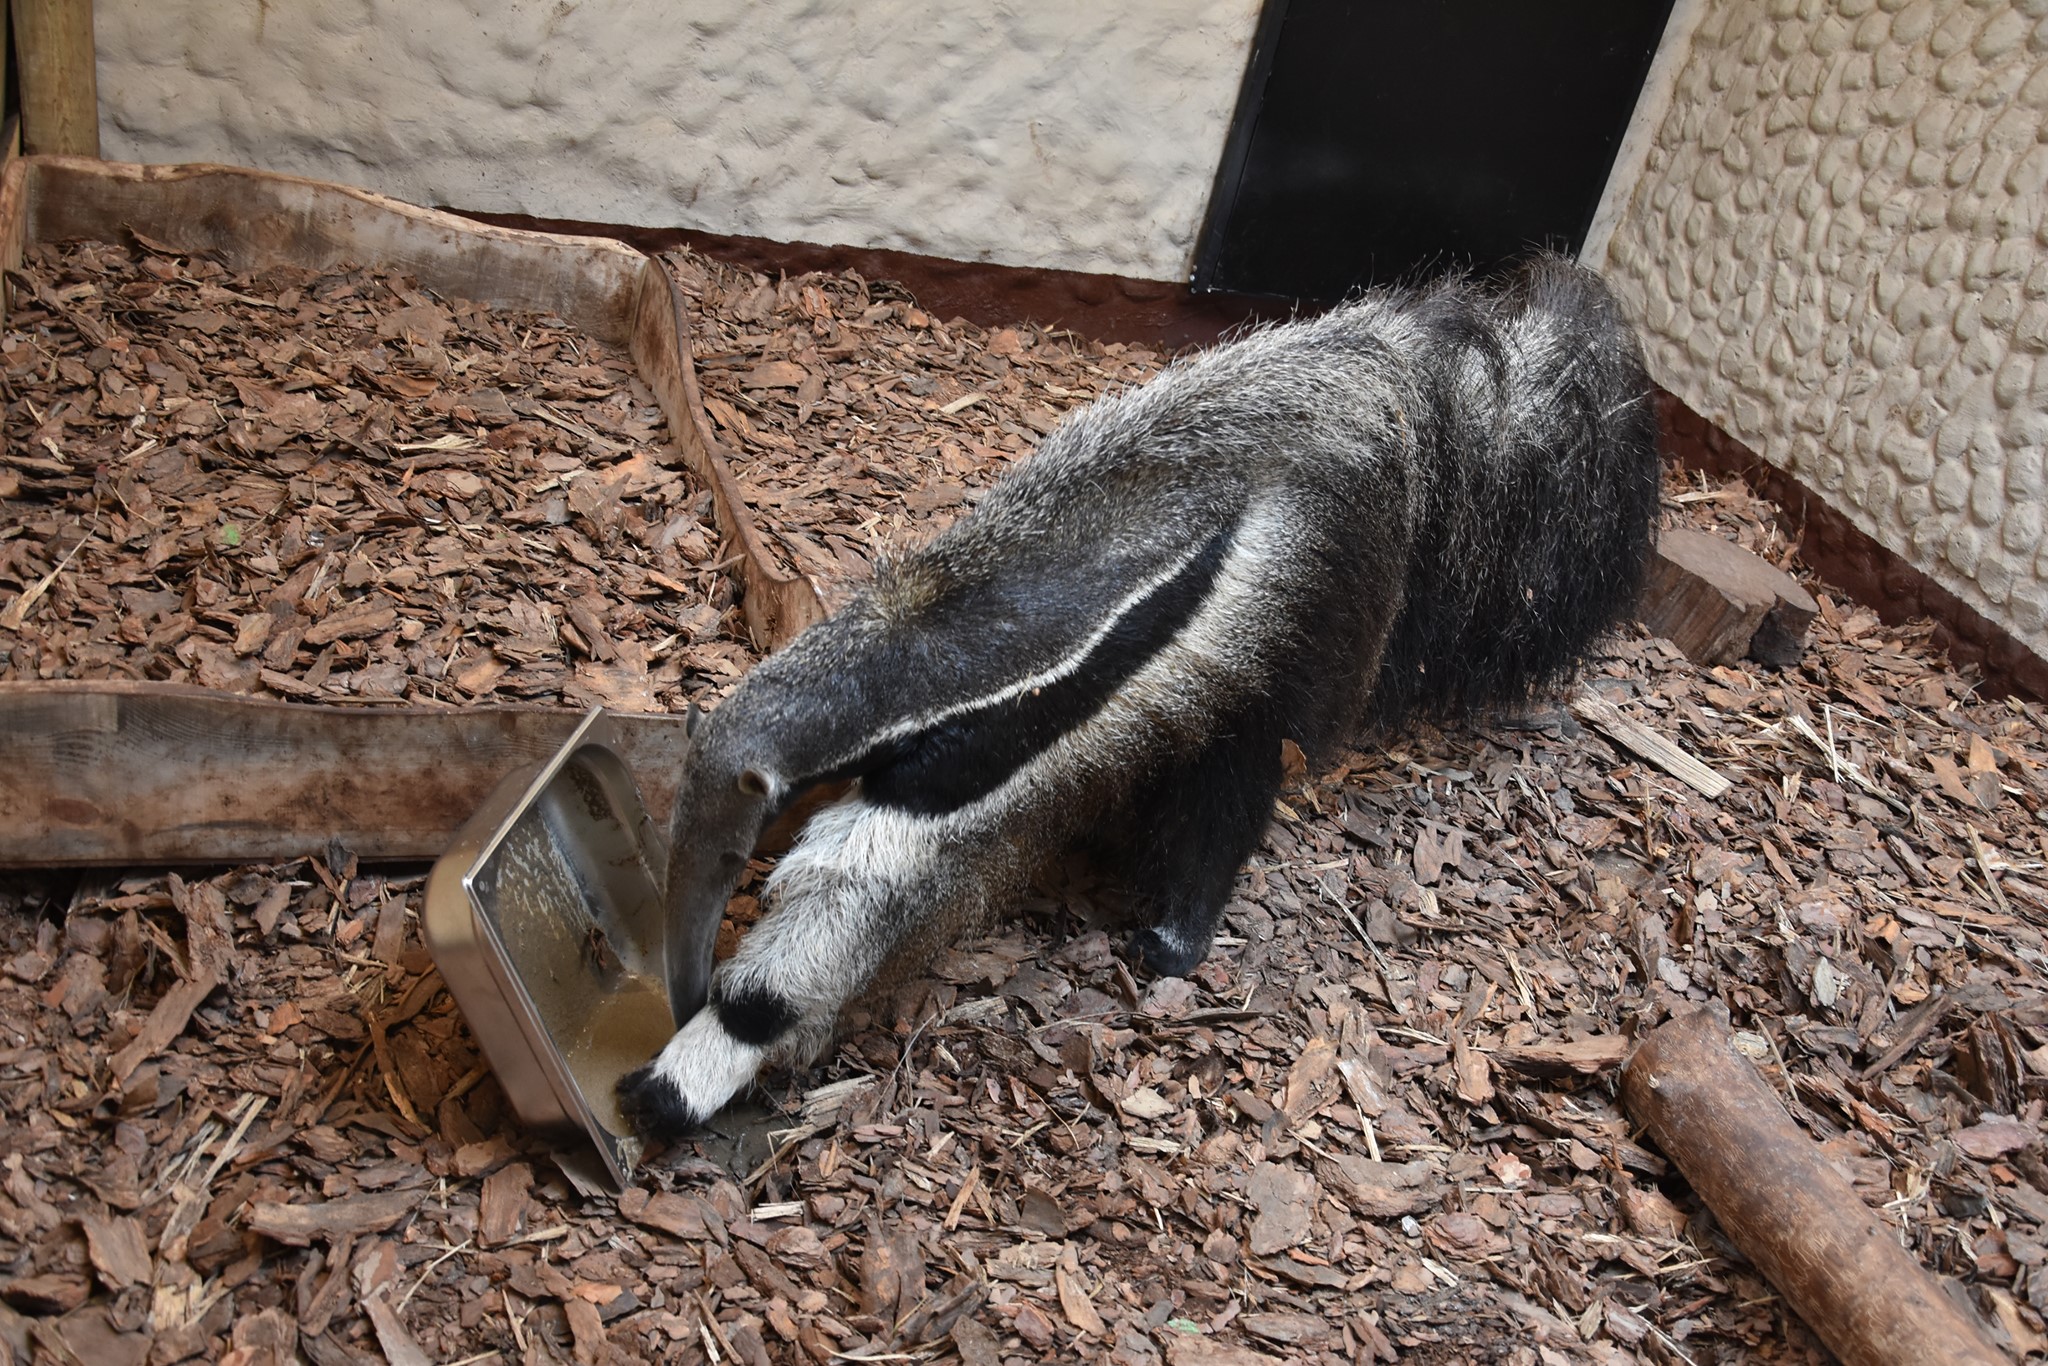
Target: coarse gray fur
[[1424, 502]]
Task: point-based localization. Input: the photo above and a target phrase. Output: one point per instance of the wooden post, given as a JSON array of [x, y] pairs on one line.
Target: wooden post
[[60, 102], [1835, 1262]]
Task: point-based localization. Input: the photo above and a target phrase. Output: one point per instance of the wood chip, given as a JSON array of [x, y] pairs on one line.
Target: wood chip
[[1076, 1305], [1284, 1199], [119, 1251], [399, 1347], [502, 1212], [331, 1220], [1556, 1057], [166, 1022]]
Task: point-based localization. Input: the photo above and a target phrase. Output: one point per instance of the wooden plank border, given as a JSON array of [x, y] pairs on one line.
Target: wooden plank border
[[158, 773]]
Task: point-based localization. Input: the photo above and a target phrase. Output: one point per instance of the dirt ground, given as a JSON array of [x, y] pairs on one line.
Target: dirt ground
[[241, 1119]]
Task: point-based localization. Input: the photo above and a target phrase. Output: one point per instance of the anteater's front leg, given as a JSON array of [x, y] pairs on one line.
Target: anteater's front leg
[[863, 881]]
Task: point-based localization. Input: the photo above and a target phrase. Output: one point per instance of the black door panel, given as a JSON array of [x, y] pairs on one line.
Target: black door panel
[[1377, 140]]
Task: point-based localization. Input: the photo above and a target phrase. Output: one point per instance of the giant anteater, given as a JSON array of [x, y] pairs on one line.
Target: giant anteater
[[1427, 501]]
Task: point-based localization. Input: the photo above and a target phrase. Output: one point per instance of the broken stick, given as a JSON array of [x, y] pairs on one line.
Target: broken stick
[[1645, 743], [1835, 1262]]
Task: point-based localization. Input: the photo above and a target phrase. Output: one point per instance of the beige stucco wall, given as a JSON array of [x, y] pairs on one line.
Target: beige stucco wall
[[1058, 133], [1837, 244]]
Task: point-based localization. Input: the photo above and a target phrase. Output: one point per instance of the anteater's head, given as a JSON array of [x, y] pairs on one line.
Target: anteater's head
[[726, 798]]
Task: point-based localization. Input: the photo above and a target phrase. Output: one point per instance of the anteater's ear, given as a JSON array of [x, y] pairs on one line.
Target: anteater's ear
[[753, 782], [691, 719]]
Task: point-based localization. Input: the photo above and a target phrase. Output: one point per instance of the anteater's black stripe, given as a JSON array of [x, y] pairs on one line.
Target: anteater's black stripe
[[654, 1105], [967, 756], [754, 1014]]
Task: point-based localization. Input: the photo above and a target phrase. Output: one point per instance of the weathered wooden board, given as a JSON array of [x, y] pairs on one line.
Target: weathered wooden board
[[256, 219], [153, 773], [777, 605]]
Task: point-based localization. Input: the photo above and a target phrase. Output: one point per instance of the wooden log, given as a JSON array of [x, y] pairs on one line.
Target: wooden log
[[155, 773], [1719, 603], [60, 100], [1645, 743], [1835, 1262]]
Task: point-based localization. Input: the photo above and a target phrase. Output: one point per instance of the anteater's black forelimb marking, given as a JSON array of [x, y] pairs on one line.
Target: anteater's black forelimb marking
[[1189, 833], [1423, 503]]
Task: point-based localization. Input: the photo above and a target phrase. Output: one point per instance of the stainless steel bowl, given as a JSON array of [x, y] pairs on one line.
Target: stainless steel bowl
[[544, 918]]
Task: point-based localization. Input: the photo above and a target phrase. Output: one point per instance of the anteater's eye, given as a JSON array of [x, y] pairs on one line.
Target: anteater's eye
[[732, 859]]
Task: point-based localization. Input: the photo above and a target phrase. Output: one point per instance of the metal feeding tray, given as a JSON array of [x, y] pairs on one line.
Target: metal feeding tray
[[544, 918]]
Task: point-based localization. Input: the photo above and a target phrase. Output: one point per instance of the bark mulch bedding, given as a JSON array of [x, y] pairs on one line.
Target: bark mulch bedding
[[857, 422], [338, 488], [240, 1119]]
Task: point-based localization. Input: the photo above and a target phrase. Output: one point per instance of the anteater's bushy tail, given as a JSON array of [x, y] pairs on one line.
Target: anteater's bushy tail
[[1539, 455]]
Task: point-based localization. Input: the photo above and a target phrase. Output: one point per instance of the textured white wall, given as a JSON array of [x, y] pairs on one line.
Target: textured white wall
[[1837, 247], [1067, 134]]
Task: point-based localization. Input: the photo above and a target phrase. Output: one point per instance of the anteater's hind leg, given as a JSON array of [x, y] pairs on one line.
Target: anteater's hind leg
[[863, 881], [1191, 830]]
